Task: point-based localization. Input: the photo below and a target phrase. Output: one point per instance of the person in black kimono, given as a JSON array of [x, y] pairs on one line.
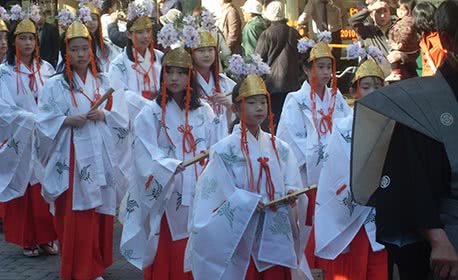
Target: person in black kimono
[[416, 202]]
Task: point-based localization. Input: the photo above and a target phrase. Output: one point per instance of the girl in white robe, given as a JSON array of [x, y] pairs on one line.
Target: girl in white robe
[[233, 236], [26, 219], [177, 126], [344, 231], [307, 118], [214, 87], [76, 149], [105, 52], [135, 77], [3, 49]]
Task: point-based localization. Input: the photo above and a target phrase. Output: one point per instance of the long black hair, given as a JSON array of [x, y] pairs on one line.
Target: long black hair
[[97, 40], [195, 100], [11, 52]]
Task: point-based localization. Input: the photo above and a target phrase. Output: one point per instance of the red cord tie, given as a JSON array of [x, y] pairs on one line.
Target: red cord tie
[[326, 122], [270, 188], [33, 85], [189, 143]]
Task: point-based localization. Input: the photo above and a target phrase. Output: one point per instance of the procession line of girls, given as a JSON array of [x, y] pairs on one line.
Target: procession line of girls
[[206, 220]]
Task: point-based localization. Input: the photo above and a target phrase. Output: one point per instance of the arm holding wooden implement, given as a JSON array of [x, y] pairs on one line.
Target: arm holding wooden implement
[[99, 102], [199, 157], [287, 197]]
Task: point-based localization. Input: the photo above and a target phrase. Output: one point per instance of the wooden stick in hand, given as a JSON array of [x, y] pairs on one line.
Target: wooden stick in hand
[[197, 158], [285, 198], [102, 99]]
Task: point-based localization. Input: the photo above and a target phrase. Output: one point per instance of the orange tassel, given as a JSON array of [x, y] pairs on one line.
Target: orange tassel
[[69, 73], [272, 126], [246, 150]]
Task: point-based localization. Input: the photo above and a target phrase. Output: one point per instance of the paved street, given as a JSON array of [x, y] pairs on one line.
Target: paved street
[[14, 266]]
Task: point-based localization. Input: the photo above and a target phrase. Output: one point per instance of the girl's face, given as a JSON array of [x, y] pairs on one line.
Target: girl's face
[[204, 57], [78, 51], [93, 24], [3, 43], [176, 79], [255, 110], [323, 71], [368, 85], [26, 43], [143, 38]]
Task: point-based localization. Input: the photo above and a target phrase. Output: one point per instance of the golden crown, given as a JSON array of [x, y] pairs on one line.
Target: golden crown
[[141, 23], [368, 68], [320, 50], [25, 26], [252, 85], [77, 30], [178, 57], [206, 39], [3, 26]]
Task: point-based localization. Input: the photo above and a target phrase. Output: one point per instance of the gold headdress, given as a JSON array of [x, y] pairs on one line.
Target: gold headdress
[[25, 26], [368, 68], [252, 85], [320, 50], [77, 30], [206, 39], [3, 26], [178, 57]]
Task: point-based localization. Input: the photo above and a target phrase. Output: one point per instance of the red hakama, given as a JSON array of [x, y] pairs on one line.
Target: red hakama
[[169, 261], [360, 263], [85, 237], [2, 210], [274, 273], [27, 221]]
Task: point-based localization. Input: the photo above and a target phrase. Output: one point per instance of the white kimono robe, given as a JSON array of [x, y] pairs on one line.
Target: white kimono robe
[[156, 189], [207, 90], [296, 127], [18, 108], [128, 101], [95, 143], [337, 216], [226, 228], [124, 77]]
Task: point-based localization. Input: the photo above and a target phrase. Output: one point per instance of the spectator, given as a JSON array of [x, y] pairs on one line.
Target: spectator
[[277, 45], [373, 32], [323, 15], [403, 37], [49, 40], [255, 25], [433, 54], [109, 15], [231, 26]]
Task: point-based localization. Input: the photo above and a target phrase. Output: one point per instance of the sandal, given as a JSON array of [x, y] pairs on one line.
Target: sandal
[[31, 251], [50, 248]]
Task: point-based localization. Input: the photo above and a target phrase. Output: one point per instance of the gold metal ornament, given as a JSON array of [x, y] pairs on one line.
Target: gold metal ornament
[[369, 68], [77, 30], [206, 39], [25, 26], [320, 50], [140, 24], [252, 85], [178, 57], [3, 26]]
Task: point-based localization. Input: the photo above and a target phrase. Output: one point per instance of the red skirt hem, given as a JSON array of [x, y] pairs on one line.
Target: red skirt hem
[[169, 261], [27, 221]]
